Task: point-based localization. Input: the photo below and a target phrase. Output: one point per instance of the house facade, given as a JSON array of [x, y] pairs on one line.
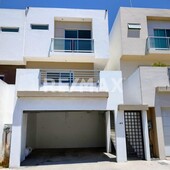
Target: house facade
[[139, 46], [55, 91]]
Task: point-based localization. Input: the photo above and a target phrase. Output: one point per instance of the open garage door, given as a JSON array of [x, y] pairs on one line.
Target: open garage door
[[166, 128], [67, 133]]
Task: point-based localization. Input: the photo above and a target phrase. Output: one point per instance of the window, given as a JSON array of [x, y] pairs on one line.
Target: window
[[2, 77], [9, 29], [60, 77], [134, 30], [78, 40], [161, 39], [39, 26]]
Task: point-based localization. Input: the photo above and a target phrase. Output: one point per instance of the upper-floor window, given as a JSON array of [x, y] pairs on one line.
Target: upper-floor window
[[78, 40], [162, 32], [134, 30], [10, 29], [161, 39], [39, 26]]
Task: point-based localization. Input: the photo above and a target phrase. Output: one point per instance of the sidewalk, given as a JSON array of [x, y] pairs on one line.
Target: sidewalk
[[131, 165]]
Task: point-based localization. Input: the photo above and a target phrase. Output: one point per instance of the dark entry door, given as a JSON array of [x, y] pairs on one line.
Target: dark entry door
[[134, 135]]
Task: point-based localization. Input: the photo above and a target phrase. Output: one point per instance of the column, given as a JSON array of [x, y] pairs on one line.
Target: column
[[121, 154], [108, 132], [145, 135], [15, 151]]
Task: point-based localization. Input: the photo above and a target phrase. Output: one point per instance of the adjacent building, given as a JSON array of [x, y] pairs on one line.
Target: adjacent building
[[140, 48]]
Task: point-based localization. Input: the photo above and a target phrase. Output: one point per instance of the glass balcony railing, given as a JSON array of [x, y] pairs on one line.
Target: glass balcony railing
[[158, 43], [72, 45]]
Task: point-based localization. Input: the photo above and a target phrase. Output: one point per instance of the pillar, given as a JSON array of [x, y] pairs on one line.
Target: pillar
[[121, 154], [145, 135], [15, 150], [108, 132]]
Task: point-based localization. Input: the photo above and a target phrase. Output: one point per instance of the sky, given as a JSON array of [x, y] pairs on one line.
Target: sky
[[111, 5]]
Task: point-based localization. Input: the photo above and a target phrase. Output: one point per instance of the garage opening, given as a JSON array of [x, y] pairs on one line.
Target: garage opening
[[65, 137]]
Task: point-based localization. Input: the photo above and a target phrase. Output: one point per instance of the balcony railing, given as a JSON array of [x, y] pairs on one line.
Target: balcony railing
[[72, 45], [69, 77], [158, 43]]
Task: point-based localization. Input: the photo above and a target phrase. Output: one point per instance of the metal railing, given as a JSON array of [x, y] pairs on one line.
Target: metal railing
[[72, 45], [69, 77], [158, 43]]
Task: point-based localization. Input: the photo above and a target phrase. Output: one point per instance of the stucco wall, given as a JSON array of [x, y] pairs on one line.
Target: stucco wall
[[11, 47], [132, 89], [152, 77], [42, 39], [69, 129], [140, 87], [115, 45], [7, 101]]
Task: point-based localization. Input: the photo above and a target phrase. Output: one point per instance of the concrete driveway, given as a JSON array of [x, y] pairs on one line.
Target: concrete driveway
[[131, 165]]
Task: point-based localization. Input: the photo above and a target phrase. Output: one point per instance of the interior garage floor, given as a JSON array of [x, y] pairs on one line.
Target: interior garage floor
[[67, 156]]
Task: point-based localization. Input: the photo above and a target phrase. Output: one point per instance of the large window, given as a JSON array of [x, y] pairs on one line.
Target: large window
[[78, 40], [161, 38]]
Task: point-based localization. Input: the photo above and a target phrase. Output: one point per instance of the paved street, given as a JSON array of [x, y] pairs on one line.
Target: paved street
[[131, 165]]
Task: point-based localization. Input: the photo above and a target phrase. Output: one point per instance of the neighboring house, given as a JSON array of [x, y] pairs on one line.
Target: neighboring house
[[140, 38], [55, 91]]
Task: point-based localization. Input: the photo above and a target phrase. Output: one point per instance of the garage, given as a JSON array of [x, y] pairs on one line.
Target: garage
[[166, 129], [65, 136]]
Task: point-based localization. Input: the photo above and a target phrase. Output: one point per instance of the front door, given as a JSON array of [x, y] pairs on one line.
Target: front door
[[134, 135]]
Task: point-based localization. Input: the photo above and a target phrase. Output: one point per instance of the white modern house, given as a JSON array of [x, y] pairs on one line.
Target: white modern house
[[139, 46], [55, 91]]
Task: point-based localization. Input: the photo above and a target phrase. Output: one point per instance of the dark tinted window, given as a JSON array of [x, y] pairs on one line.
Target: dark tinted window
[[6, 29], [84, 34], [71, 34], [39, 27]]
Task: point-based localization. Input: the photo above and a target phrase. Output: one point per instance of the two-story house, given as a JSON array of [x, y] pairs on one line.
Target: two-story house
[[55, 91], [140, 47]]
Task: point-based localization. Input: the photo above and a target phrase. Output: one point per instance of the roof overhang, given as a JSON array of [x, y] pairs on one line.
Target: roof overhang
[[126, 107], [163, 89]]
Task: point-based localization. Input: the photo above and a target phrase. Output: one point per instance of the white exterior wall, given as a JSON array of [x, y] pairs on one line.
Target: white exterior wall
[[7, 101], [152, 77], [35, 15], [110, 81], [36, 43], [132, 89], [11, 47], [115, 45], [140, 87], [67, 129]]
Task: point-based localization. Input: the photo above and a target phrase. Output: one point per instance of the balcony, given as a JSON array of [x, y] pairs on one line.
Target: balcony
[[66, 80], [159, 45], [72, 45]]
